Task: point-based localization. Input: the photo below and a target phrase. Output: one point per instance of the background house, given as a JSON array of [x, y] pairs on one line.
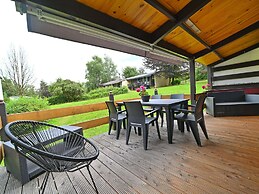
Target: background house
[[114, 83], [151, 79]]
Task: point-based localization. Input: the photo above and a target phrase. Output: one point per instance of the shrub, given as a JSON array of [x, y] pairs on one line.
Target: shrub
[[176, 82], [65, 91], [104, 92], [26, 104]]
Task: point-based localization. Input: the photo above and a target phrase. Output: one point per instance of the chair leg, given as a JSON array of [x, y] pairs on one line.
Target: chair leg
[[194, 128], [92, 179], [203, 127], [135, 129], [139, 131], [145, 136], [162, 118], [152, 115], [157, 128], [44, 182], [124, 123], [110, 127], [187, 127], [128, 134], [118, 127], [180, 125]]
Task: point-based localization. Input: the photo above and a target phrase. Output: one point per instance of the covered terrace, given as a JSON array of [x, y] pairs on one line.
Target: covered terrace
[[212, 32]]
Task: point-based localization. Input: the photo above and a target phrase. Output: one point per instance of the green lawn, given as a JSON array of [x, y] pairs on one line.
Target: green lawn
[[183, 88]]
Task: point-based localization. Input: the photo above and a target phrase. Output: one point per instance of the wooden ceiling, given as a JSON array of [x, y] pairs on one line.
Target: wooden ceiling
[[226, 28]]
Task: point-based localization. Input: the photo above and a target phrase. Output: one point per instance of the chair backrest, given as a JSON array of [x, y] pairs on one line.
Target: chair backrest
[[200, 106], [135, 112], [51, 147], [112, 109], [177, 96], [156, 96]]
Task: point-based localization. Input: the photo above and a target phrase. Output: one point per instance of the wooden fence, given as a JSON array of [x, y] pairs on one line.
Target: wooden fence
[[69, 111]]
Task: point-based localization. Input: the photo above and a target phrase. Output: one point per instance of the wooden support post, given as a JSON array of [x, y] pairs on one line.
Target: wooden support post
[[3, 121], [192, 80], [210, 74]]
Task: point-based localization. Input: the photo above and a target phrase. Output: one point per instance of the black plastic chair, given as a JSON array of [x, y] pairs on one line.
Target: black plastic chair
[[116, 117], [152, 108], [175, 107], [53, 148], [193, 117], [137, 118]]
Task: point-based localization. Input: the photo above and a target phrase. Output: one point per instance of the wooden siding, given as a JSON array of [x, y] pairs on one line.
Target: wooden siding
[[227, 163], [240, 72]]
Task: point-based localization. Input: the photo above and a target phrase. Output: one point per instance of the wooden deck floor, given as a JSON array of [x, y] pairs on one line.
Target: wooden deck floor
[[227, 163]]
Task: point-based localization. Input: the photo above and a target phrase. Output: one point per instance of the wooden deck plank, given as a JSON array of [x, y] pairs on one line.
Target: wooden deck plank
[[175, 176], [144, 173], [13, 186], [4, 176], [227, 163], [102, 185], [31, 187], [118, 184]]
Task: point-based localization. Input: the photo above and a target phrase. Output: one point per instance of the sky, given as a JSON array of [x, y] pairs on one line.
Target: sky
[[51, 58]]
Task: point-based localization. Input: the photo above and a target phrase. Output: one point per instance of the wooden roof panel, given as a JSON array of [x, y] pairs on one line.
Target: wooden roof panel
[[240, 44], [208, 59], [183, 40], [174, 5], [159, 24], [138, 13], [220, 19]]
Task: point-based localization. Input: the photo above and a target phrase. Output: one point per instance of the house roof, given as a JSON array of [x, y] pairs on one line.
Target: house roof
[[141, 76], [209, 31], [112, 82]]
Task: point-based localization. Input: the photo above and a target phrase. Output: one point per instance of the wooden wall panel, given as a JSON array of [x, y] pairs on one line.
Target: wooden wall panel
[[183, 40]]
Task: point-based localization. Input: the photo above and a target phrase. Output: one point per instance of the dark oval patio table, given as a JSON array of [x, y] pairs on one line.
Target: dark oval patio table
[[168, 104]]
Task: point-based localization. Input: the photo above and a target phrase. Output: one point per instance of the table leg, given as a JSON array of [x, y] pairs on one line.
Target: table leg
[[170, 124]]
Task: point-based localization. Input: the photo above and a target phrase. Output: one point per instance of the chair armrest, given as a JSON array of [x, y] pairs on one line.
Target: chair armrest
[[152, 112], [121, 111], [185, 111]]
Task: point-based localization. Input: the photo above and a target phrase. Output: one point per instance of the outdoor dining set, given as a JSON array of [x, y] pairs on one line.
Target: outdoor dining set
[[137, 115]]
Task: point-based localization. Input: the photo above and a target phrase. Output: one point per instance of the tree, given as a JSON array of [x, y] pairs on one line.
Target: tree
[[8, 87], [141, 70], [129, 72], [201, 72], [100, 71], [44, 89], [65, 91], [18, 70], [176, 69]]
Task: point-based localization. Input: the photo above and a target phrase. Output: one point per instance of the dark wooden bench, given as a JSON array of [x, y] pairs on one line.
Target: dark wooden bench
[[232, 103]]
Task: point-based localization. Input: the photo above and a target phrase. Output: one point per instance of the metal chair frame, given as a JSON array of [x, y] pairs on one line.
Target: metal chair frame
[[53, 148]]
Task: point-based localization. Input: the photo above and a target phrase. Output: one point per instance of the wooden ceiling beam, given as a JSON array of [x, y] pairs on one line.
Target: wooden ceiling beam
[[229, 39], [236, 54], [98, 18], [89, 14], [175, 20], [194, 35]]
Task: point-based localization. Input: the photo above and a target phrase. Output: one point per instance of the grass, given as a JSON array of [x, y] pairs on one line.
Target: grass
[[68, 120]]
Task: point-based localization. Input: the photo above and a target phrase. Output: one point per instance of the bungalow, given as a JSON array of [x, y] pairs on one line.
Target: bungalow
[[114, 83], [150, 79]]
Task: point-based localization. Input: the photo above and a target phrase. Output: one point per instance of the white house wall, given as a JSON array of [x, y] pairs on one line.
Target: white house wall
[[241, 71]]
